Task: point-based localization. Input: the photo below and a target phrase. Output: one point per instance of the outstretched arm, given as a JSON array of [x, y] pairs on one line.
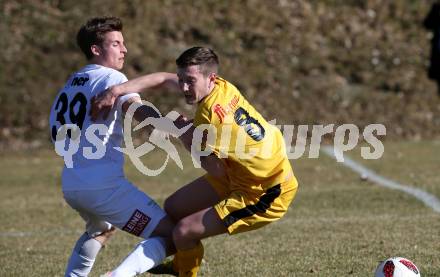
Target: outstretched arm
[[103, 103], [158, 80]]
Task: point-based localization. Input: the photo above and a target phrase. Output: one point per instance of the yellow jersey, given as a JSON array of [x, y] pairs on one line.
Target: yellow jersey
[[252, 150]]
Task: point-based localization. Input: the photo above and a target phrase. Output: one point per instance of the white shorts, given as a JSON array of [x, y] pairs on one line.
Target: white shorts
[[125, 207]]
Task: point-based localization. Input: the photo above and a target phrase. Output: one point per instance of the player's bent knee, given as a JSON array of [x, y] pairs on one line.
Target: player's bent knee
[[178, 235], [164, 228], [184, 231], [105, 236]]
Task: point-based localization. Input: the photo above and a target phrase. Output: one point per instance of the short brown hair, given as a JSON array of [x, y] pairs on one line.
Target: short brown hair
[[202, 56], [92, 33]]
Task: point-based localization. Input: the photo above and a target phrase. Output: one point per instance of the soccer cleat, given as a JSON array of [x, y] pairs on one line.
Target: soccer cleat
[[108, 274], [164, 268]]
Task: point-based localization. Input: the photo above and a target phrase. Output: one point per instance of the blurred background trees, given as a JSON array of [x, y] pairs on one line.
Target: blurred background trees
[[300, 62]]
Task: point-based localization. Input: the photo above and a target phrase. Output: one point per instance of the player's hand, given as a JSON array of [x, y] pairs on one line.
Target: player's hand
[[102, 104]]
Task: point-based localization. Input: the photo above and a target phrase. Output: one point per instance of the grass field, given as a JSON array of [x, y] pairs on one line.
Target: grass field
[[337, 225]]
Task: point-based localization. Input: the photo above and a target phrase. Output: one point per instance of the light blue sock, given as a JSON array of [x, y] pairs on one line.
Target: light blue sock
[[83, 256], [145, 256]]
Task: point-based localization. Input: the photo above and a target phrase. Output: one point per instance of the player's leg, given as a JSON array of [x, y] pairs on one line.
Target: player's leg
[[148, 253], [88, 246], [193, 197], [90, 243], [138, 214], [83, 256], [239, 212], [105, 236], [198, 195], [140, 259], [202, 224], [187, 235]]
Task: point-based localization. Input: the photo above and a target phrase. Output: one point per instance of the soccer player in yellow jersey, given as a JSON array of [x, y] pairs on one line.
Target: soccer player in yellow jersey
[[249, 181]]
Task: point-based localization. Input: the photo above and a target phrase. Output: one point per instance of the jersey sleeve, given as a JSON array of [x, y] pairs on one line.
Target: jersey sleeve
[[116, 78], [203, 116], [124, 98]]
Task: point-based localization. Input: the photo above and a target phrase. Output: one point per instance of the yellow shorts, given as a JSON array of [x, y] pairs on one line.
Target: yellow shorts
[[242, 211]]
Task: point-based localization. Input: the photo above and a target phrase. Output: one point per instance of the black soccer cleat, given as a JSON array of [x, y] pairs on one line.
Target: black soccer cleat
[[164, 268]]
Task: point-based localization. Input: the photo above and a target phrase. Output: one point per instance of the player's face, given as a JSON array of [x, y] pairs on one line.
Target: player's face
[[194, 85], [112, 51]]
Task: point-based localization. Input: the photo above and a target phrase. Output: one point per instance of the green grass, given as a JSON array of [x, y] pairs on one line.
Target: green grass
[[420, 160], [337, 225]]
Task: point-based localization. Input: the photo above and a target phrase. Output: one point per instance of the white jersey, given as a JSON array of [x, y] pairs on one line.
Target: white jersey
[[72, 106]]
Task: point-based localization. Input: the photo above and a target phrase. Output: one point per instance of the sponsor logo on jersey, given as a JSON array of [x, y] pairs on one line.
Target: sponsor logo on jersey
[[137, 223], [222, 112]]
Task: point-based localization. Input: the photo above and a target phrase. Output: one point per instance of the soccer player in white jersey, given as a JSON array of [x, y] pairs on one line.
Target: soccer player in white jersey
[[93, 181]]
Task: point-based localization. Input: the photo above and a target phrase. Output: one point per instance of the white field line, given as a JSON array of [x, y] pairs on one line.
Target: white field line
[[39, 233], [427, 198]]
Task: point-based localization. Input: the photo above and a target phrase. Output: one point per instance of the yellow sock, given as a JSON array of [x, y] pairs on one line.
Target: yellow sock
[[189, 261], [175, 264]]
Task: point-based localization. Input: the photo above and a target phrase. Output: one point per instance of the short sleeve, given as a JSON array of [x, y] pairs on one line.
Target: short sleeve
[[202, 117], [124, 98], [115, 78]]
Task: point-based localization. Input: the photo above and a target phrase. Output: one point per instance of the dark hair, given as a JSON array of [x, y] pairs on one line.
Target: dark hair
[[93, 32], [202, 56]]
